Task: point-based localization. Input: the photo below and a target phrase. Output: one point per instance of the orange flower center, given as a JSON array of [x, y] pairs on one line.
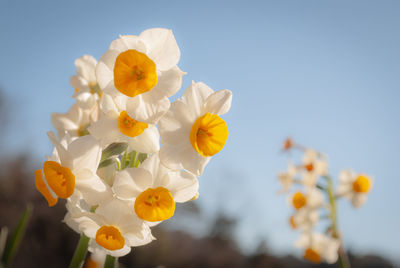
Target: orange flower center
[[109, 237], [209, 134], [60, 179], [155, 204], [299, 200], [129, 126], [134, 73], [362, 184], [312, 256]]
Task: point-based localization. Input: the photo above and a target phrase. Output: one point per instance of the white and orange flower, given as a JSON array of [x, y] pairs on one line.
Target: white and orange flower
[[354, 187], [192, 131], [115, 125], [144, 68], [155, 189], [318, 247], [87, 91]]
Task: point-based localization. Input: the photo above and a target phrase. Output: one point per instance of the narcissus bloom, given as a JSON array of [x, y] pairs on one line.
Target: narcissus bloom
[[144, 68], [87, 91], [192, 131], [354, 187], [115, 125], [304, 219], [113, 228], [76, 121], [314, 166], [287, 178], [155, 189], [72, 166], [311, 199], [318, 247]]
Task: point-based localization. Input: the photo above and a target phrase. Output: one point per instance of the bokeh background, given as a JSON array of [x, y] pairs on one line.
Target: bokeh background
[[325, 73]]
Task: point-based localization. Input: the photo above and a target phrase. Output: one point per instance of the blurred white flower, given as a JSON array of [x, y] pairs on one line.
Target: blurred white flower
[[287, 178], [354, 187], [311, 199], [314, 166], [87, 91], [76, 121], [155, 189], [318, 247], [192, 131], [144, 68]]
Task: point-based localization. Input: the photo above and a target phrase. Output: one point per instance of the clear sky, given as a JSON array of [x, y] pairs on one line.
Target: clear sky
[[323, 72]]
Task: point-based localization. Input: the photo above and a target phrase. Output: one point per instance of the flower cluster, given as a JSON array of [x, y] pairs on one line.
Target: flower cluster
[[124, 155], [315, 196]]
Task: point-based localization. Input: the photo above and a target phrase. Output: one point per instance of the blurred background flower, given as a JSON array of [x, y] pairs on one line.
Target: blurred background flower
[[323, 72]]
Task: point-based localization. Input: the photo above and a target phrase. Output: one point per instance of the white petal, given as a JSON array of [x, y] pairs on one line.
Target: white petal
[[359, 199], [106, 129], [169, 82], [86, 153], [147, 142], [147, 107], [193, 161], [62, 153], [183, 186], [105, 68], [129, 183], [85, 67], [161, 47], [219, 102], [195, 96], [176, 124], [170, 155]]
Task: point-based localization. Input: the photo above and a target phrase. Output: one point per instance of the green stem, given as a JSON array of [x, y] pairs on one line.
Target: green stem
[[343, 258], [110, 262], [80, 252]]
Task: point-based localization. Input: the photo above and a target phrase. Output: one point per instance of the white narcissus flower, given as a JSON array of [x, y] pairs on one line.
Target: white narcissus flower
[[115, 125], [72, 167], [113, 228], [155, 189], [318, 247], [314, 166], [192, 131], [354, 187], [87, 91], [312, 199], [304, 219], [143, 68], [286, 178], [76, 121]]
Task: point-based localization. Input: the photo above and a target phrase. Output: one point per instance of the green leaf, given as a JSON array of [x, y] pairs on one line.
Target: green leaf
[[13, 243], [106, 162], [115, 148]]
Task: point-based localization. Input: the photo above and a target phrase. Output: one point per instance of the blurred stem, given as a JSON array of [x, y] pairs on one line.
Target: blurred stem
[[343, 260], [110, 262], [80, 252], [16, 237]]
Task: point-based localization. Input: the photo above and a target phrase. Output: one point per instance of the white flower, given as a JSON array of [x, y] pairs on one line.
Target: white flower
[[113, 228], [304, 219], [72, 166], [318, 247], [192, 131], [312, 199], [314, 166], [87, 91], [287, 178], [117, 126], [155, 189], [354, 187], [76, 121], [144, 68]]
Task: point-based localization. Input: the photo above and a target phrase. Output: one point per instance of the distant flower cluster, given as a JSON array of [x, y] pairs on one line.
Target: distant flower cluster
[[314, 199], [124, 155]]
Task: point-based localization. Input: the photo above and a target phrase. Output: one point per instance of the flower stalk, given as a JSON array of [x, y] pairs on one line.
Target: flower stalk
[[80, 252]]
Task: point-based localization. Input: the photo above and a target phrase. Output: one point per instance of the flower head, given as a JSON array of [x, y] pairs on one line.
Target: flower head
[[354, 187]]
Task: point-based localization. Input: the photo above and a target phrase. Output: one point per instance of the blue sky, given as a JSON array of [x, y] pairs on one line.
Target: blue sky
[[322, 72]]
